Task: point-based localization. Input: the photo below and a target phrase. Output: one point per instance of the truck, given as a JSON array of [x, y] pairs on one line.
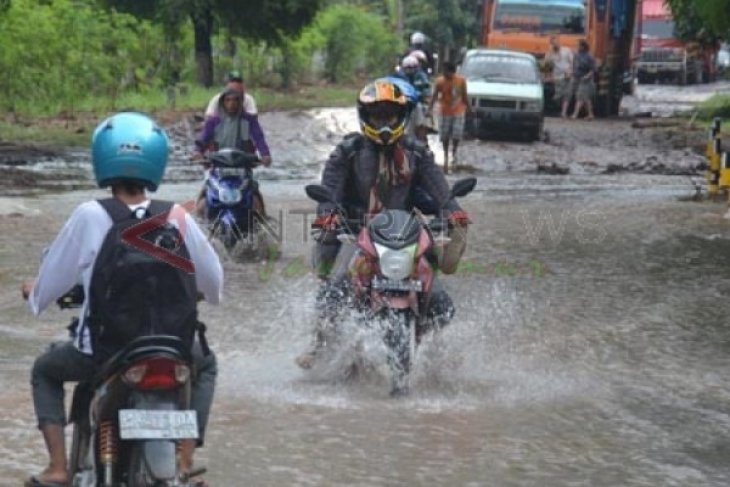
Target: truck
[[663, 56], [608, 26]]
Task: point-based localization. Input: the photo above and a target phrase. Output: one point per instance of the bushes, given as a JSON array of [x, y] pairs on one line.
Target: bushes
[[65, 55], [54, 54], [351, 40]]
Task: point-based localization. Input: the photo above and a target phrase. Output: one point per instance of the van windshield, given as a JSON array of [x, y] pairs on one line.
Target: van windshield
[[499, 68], [543, 16]]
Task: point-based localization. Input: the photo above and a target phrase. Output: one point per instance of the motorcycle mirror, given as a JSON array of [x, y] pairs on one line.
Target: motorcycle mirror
[[463, 187], [319, 193]]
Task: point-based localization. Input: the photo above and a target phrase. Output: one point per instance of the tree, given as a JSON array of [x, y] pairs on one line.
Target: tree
[[705, 21], [449, 23], [264, 20]]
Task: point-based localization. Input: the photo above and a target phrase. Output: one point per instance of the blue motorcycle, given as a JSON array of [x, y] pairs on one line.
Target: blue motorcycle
[[235, 210]]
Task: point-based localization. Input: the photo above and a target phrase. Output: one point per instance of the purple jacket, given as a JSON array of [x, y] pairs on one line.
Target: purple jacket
[[252, 136]]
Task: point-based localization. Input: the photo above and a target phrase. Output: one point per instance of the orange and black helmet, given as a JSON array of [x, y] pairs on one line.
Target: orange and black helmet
[[383, 110]]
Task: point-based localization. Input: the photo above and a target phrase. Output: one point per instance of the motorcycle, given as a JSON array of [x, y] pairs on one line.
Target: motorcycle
[[388, 268], [234, 207], [128, 420]]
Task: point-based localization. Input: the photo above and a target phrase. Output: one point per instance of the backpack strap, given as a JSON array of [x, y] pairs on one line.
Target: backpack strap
[[159, 206], [201, 329], [116, 210]]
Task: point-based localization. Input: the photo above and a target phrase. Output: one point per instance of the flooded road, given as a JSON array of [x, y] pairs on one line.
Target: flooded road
[[589, 348]]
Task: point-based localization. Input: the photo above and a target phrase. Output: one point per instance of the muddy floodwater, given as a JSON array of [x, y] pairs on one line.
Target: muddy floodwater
[[590, 345]]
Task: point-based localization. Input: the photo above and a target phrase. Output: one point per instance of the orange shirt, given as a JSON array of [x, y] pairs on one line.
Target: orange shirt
[[451, 94]]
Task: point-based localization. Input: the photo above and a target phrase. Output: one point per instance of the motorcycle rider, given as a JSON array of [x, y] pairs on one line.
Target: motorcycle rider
[[234, 79], [372, 170], [124, 144], [235, 128], [412, 73], [418, 43]]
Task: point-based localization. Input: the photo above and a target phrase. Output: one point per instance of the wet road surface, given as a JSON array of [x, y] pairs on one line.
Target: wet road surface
[[590, 345]]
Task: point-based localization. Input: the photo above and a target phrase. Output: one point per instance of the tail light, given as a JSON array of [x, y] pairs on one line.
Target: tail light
[[157, 373]]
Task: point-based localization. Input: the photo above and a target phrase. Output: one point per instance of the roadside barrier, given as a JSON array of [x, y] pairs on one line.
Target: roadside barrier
[[718, 175]]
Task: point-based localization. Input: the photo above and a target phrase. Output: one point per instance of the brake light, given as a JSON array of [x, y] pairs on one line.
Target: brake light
[[157, 373]]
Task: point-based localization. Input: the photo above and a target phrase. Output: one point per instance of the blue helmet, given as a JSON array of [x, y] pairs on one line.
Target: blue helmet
[[129, 146], [405, 86]]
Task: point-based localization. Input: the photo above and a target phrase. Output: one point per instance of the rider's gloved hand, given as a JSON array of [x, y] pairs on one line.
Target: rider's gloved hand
[[329, 221], [266, 161], [459, 218]]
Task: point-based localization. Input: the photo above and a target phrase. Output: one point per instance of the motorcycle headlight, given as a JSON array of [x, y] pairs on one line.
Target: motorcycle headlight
[[396, 264], [229, 196]]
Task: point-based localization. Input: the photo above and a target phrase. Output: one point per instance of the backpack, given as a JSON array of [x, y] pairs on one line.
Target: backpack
[[134, 293]]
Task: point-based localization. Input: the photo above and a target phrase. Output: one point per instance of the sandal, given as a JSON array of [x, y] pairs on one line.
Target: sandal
[[34, 481]]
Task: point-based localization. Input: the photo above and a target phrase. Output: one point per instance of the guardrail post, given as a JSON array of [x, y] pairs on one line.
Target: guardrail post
[[713, 154]]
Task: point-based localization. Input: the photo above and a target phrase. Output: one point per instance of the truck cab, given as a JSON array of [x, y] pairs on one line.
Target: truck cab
[[663, 56], [607, 25]]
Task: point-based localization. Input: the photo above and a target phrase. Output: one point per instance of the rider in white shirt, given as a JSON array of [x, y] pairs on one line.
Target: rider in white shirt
[[124, 144]]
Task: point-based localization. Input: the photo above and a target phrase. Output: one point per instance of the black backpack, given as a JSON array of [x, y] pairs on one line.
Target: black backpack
[[134, 292]]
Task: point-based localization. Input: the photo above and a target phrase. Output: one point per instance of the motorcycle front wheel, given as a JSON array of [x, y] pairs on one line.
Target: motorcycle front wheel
[[398, 340]]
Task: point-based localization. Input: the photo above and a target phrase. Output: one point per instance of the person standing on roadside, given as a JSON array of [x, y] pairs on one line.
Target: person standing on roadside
[[584, 70], [561, 59], [450, 92]]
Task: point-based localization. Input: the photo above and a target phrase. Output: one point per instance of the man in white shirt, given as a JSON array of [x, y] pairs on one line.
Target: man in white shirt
[[234, 80], [562, 72], [126, 143]]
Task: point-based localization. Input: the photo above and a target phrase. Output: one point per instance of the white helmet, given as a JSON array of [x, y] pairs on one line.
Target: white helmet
[[418, 38], [410, 62]]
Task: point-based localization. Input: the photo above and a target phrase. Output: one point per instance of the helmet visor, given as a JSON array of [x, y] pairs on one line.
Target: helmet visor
[[383, 115]]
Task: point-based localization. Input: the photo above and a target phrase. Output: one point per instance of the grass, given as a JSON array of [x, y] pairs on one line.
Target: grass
[[57, 126], [716, 106], [43, 134]]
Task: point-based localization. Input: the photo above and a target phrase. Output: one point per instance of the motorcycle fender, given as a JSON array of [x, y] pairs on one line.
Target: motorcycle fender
[[394, 302], [228, 218], [160, 457]]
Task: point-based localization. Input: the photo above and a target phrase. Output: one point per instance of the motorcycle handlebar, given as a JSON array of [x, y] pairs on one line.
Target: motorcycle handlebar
[[74, 298]]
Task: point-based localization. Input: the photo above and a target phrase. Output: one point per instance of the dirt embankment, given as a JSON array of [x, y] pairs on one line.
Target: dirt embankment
[[300, 141]]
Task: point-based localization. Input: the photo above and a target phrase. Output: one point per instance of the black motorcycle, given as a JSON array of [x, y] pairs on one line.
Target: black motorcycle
[[129, 419]]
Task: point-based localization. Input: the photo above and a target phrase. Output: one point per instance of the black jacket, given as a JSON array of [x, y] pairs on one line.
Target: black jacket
[[352, 170]]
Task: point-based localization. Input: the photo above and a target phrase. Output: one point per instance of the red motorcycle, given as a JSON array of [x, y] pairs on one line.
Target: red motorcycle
[[387, 268]]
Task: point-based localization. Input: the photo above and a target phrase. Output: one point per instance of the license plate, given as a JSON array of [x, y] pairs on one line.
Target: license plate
[[395, 285], [141, 424], [501, 116]]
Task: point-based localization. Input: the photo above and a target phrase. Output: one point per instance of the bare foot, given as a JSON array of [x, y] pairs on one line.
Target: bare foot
[[48, 477]]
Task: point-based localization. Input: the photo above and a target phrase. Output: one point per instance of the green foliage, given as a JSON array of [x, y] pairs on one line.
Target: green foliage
[[55, 53], [351, 39], [267, 20], [450, 23], [717, 106], [702, 20]]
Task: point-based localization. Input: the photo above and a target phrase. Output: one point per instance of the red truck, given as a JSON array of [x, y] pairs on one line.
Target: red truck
[[663, 56], [607, 25]]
